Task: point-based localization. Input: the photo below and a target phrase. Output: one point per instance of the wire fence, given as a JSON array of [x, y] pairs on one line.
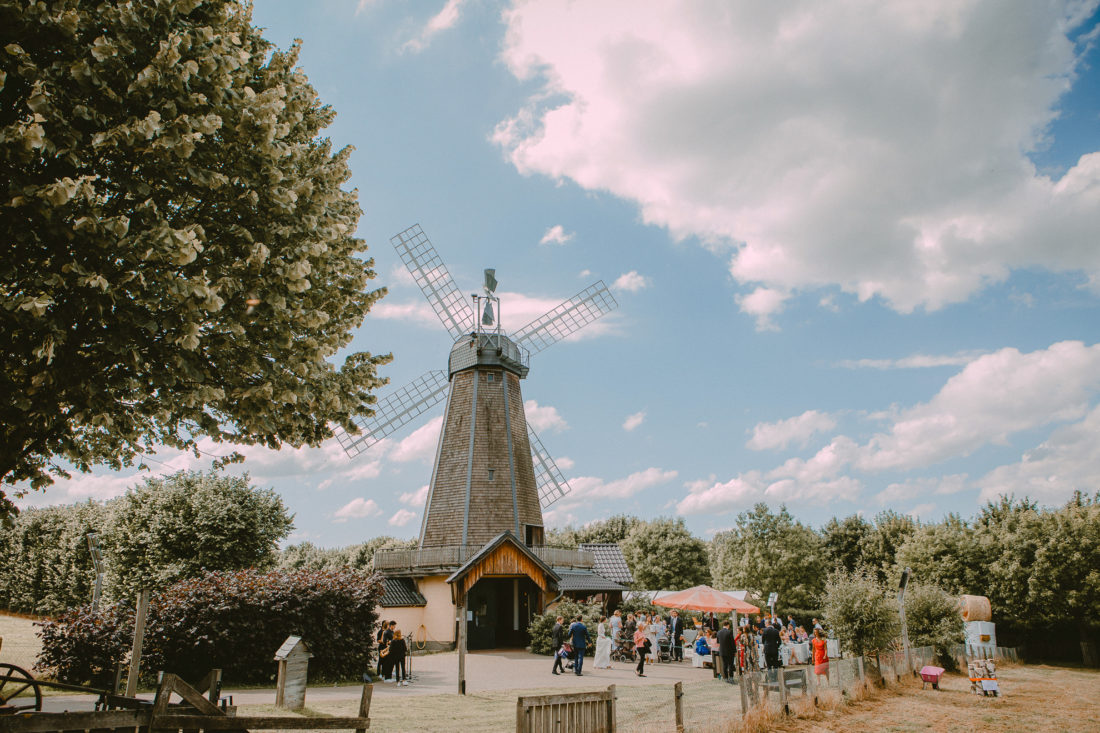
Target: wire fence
[[714, 705]]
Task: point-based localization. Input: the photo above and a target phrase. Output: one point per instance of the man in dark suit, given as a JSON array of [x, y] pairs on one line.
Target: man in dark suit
[[578, 634], [726, 650], [676, 634], [387, 663], [770, 637], [555, 644]]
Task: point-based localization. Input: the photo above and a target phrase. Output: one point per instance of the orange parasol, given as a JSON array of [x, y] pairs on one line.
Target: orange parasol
[[705, 598]]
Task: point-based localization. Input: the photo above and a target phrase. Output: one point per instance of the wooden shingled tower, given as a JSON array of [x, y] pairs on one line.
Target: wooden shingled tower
[[491, 472]]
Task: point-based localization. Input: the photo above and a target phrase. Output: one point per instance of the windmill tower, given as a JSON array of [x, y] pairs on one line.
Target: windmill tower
[[492, 477], [491, 473]]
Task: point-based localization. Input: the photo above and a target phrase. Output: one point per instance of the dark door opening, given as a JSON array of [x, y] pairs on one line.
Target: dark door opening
[[501, 610]]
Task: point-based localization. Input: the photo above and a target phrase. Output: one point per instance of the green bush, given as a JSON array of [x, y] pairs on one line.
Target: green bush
[[233, 621], [543, 625], [860, 611], [933, 618]]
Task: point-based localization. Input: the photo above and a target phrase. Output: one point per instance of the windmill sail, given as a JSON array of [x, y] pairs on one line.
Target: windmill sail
[[395, 411], [548, 479], [435, 281], [567, 318]]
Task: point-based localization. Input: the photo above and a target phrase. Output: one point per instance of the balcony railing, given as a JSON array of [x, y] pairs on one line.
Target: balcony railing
[[454, 556]]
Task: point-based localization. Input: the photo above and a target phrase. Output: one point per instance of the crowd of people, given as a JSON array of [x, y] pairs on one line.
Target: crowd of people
[[761, 641]]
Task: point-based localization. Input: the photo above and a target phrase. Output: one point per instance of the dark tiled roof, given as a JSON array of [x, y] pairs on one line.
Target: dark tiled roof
[[584, 580], [610, 562], [401, 592]]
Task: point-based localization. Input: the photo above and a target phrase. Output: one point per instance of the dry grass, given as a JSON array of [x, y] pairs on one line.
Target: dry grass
[[21, 645]]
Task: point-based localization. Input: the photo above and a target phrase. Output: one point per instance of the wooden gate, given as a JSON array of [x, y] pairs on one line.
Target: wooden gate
[[577, 712]]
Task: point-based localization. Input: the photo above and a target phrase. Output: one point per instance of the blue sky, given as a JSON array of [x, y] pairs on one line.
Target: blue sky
[[854, 247]]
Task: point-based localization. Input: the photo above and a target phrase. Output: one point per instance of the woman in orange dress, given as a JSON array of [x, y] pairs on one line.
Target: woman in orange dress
[[821, 654]]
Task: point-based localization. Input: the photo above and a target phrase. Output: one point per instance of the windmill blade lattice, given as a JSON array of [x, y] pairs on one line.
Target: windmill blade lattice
[[548, 479], [395, 411], [567, 318], [435, 281]]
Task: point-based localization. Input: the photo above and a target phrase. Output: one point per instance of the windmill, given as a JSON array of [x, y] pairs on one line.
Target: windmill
[[491, 472]]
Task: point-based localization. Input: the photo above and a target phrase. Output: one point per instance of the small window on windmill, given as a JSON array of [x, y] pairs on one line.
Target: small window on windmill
[[490, 377], [491, 471]]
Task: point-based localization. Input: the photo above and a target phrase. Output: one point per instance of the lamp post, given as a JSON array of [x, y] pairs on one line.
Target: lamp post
[[901, 612]]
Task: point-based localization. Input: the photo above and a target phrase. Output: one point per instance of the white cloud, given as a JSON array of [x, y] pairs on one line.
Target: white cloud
[[915, 361], [357, 508], [420, 444], [876, 148], [777, 435], [441, 21], [584, 273], [556, 235], [919, 487], [588, 489], [402, 517], [415, 498], [993, 397], [1068, 460], [565, 463], [418, 312], [633, 421], [543, 417], [762, 304], [922, 511], [631, 282]]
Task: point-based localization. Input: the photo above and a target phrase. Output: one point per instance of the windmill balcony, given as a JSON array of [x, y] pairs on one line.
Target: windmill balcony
[[422, 561]]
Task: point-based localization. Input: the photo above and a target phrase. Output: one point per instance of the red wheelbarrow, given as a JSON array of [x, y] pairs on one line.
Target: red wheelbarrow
[[931, 674]]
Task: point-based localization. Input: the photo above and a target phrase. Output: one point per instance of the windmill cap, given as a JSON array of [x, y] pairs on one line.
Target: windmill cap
[[488, 349]]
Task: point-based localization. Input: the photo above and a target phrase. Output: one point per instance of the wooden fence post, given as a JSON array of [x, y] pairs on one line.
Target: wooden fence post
[[139, 637], [859, 668], [611, 708], [744, 695], [364, 704], [781, 678], [678, 697]]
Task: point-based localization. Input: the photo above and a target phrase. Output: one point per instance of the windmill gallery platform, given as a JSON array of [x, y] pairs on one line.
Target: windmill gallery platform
[[480, 556]]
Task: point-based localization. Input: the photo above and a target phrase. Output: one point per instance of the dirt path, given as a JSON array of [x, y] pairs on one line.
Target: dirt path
[[1034, 698]]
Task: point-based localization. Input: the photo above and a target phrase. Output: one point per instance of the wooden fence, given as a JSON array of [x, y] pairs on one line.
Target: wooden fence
[[196, 713], [578, 712]]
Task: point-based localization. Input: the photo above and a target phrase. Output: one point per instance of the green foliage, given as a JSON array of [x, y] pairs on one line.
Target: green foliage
[[307, 556], [542, 625], [181, 525], [162, 530], [767, 552], [613, 529], [179, 254], [844, 541], [1066, 574], [860, 611], [948, 554], [890, 532], [46, 565], [232, 621], [933, 619], [663, 555]]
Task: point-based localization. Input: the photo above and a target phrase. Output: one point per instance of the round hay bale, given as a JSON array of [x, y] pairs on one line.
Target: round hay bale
[[975, 608]]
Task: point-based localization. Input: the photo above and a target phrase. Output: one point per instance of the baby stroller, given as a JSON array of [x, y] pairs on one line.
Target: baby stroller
[[568, 654], [664, 650], [624, 652]]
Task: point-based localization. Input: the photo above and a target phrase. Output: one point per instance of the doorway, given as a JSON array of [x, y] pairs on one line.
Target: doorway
[[500, 612]]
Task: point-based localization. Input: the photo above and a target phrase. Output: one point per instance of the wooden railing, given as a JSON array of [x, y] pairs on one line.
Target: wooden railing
[[453, 556], [571, 712]]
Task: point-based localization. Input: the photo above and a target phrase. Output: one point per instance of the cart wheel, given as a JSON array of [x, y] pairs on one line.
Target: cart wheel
[[18, 690]]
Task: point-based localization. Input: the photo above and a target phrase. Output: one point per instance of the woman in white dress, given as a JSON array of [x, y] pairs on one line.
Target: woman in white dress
[[603, 646], [651, 632]]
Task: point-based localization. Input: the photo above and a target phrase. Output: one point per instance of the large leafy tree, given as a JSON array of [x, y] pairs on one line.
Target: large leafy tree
[[664, 555], [183, 525], [769, 551], [844, 541], [861, 611], [179, 255], [890, 532]]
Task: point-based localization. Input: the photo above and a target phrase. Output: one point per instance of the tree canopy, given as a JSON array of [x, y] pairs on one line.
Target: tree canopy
[[180, 258], [663, 554], [767, 552]]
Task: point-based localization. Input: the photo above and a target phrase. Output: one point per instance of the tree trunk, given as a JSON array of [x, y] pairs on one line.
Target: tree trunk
[[1088, 648]]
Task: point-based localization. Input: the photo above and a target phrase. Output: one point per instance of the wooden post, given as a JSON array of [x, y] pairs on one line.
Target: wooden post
[[859, 668], [139, 637], [744, 695], [678, 700], [364, 704], [611, 708], [462, 646], [781, 678]]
